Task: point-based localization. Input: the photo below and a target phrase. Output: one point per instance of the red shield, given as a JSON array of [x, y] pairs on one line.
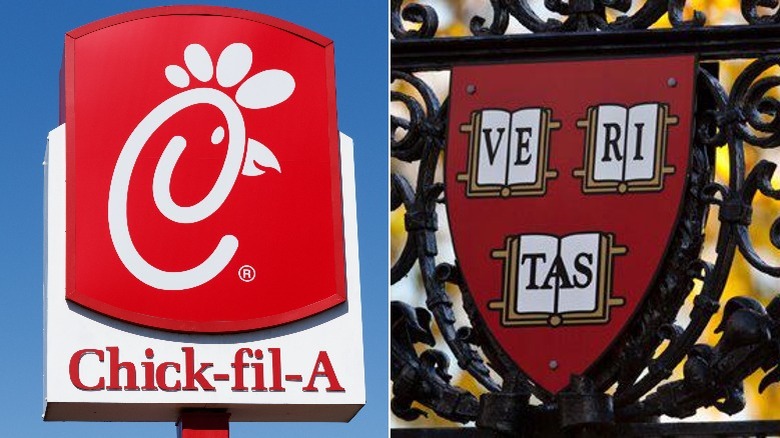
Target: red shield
[[203, 171], [564, 181]]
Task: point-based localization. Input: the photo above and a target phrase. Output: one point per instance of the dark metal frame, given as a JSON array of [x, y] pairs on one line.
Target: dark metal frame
[[745, 116]]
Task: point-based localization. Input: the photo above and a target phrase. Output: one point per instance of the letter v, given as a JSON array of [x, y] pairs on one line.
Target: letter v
[[492, 151]]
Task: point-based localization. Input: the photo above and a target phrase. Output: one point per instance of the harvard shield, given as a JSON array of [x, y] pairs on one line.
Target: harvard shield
[[563, 184]]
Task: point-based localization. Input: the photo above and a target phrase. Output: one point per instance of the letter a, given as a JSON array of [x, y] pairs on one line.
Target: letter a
[[327, 371]]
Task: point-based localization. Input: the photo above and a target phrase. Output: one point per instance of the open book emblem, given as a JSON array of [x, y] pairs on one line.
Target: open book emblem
[[625, 148], [565, 184], [550, 280], [508, 152]]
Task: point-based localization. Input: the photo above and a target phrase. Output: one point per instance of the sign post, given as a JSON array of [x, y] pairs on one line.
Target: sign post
[[201, 241], [203, 424]]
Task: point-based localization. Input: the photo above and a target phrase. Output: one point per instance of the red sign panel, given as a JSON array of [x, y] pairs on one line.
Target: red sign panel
[[564, 181], [203, 172]]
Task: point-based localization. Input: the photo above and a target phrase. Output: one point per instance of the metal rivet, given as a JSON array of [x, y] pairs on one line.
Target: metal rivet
[[553, 364], [471, 88], [672, 82]]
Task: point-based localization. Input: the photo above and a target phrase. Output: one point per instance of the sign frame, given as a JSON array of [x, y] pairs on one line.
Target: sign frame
[[99, 368]]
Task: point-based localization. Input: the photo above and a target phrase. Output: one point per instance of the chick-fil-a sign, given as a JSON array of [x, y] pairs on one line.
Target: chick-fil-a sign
[[203, 171]]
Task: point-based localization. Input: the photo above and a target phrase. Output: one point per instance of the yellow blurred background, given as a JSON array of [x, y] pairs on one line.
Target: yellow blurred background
[[454, 16]]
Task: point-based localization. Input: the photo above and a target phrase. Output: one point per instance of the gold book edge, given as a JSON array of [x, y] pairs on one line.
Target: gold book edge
[[496, 305], [499, 253]]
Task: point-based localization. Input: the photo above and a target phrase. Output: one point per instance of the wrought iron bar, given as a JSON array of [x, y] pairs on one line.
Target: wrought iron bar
[[714, 429], [709, 43]]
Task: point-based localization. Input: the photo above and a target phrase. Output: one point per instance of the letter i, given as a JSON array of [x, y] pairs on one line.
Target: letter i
[[149, 372], [258, 367], [276, 368]]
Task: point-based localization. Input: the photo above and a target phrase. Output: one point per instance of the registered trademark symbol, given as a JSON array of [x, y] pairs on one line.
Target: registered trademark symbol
[[246, 273]]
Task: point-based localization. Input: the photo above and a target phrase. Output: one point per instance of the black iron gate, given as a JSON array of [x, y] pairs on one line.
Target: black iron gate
[[631, 387]]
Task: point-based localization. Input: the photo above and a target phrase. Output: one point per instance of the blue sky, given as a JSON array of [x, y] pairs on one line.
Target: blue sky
[[32, 35]]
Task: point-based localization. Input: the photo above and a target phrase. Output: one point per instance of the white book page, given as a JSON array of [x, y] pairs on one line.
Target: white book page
[[609, 164], [640, 143], [524, 146], [493, 147], [536, 255], [580, 255]]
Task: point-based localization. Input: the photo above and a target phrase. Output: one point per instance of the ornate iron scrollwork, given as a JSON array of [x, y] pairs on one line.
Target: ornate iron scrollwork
[[746, 116], [577, 16]]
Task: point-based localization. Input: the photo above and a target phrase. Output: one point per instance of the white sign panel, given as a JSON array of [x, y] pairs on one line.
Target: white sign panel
[[102, 369]]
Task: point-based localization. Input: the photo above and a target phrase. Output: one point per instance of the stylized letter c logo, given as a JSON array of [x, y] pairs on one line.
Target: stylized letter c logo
[[120, 183]]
